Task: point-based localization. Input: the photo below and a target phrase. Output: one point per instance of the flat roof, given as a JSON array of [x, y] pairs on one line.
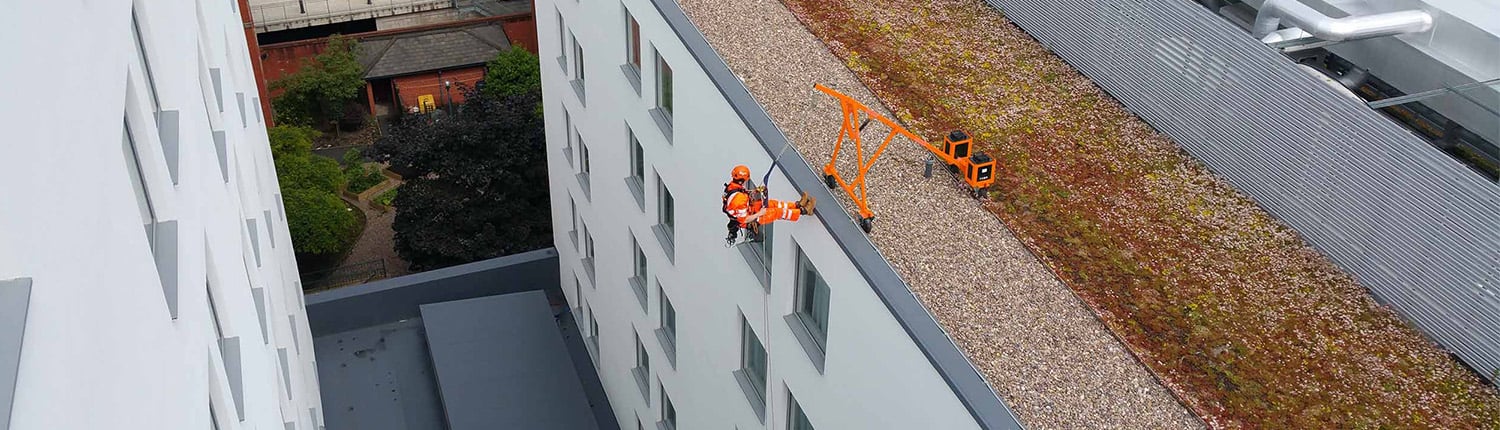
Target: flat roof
[[501, 359], [968, 292], [383, 347]]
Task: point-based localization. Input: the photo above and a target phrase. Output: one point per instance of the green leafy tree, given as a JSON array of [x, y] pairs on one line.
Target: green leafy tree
[[297, 166], [514, 72], [322, 87], [474, 190], [317, 219], [319, 222]]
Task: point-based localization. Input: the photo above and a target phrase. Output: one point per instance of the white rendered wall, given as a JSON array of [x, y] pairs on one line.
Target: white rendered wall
[[101, 349], [875, 375]]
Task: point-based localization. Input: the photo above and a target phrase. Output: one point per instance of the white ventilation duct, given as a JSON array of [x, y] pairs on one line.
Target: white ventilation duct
[[1321, 26]]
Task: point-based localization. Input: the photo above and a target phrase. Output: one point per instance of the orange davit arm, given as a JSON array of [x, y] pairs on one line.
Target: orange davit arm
[[853, 112]]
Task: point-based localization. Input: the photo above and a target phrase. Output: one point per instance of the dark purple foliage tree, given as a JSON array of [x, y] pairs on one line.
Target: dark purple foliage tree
[[476, 183]]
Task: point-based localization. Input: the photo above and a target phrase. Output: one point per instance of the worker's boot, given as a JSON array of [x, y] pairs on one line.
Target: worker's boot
[[806, 203], [734, 232], [753, 231]]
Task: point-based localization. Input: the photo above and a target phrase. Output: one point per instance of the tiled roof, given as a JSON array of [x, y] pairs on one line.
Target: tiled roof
[[409, 53]]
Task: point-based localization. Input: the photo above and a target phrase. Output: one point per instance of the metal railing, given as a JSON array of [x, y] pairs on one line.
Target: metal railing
[[349, 274], [286, 14]]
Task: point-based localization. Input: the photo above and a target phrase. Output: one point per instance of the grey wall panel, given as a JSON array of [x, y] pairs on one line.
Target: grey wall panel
[[229, 350], [1414, 226], [168, 124], [166, 262], [15, 299]]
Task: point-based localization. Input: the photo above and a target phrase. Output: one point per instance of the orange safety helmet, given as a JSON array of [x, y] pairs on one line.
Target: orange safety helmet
[[740, 173]]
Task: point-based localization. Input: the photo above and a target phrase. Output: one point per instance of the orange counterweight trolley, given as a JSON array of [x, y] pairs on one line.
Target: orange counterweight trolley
[[976, 169]]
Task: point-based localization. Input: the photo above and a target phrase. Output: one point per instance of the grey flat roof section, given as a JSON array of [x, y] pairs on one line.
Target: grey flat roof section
[[15, 299], [501, 360], [378, 378], [970, 387]]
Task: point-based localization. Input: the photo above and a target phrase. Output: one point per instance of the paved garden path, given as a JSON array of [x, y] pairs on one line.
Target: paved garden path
[[377, 242]]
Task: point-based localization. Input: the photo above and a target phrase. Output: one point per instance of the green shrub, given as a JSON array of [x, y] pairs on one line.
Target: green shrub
[[387, 197], [514, 72], [319, 222]]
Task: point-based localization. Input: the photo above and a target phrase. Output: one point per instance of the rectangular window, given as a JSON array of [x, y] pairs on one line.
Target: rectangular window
[[642, 360], [583, 156], [666, 334], [753, 360], [586, 249], [668, 318], [633, 40], [637, 158], [812, 299], [664, 86], [562, 41], [668, 411], [588, 244], [584, 166], [640, 261], [638, 282], [642, 370], [577, 60], [636, 182], [667, 211], [796, 418], [591, 333]]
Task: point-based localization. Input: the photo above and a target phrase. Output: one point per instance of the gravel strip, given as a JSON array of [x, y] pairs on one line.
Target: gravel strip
[[1037, 344]]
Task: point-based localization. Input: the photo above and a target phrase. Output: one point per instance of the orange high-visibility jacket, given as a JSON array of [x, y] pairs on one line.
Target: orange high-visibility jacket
[[738, 204]]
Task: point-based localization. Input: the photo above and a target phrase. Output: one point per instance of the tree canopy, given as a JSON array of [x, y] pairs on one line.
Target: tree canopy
[[322, 86], [514, 72], [319, 222], [476, 177]]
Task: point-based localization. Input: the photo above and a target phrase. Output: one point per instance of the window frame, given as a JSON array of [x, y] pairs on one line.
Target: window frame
[[753, 376], [668, 410], [562, 41], [666, 206], [633, 49], [794, 411], [807, 305], [664, 78], [666, 326], [637, 156], [669, 318]]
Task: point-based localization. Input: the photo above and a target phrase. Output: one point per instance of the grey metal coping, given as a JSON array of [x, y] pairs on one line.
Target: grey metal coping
[[967, 383], [387, 300]]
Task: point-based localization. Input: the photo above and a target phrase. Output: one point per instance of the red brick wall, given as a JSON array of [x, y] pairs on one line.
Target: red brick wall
[[522, 34], [411, 87], [283, 59]]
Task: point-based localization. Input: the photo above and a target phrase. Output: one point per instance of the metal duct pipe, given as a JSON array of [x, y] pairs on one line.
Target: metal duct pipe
[[1337, 29]]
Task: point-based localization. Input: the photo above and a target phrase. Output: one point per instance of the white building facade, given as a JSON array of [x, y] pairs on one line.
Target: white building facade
[[812, 330], [147, 279]]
